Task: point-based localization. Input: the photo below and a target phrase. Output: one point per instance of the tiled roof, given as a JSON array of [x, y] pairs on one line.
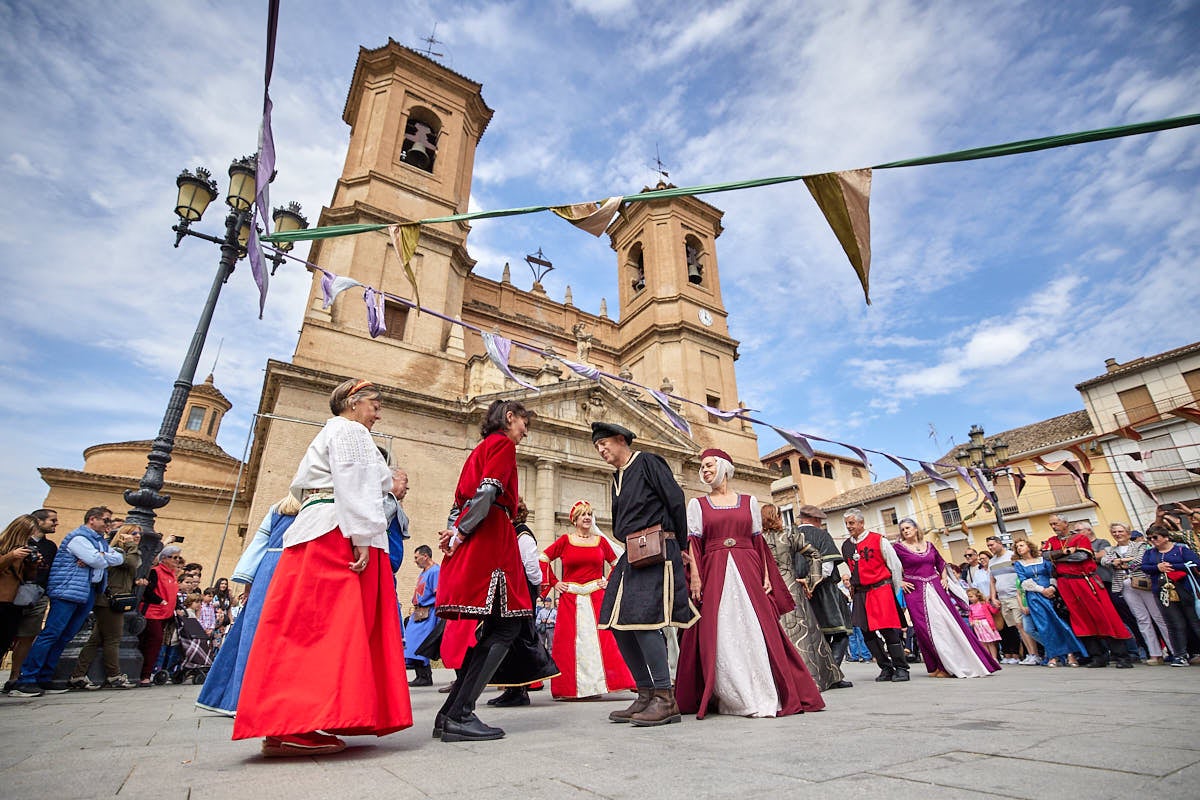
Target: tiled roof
[[866, 494], [1140, 363], [823, 453]]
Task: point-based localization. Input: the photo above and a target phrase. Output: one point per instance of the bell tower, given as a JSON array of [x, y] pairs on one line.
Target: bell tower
[[673, 329], [414, 127]]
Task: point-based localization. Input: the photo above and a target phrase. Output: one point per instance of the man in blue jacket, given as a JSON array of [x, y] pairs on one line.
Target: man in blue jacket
[[78, 574]]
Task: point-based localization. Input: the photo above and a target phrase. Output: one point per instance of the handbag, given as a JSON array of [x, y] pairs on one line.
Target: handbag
[[419, 614], [122, 603], [646, 547], [1140, 582], [28, 594]]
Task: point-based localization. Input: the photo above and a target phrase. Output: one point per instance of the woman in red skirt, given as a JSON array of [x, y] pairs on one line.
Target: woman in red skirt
[[328, 657]]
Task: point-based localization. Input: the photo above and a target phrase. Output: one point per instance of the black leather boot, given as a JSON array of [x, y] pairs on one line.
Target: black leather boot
[[423, 675], [510, 697]]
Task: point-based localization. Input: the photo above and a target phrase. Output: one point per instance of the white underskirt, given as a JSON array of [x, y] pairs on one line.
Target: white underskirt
[[953, 649], [743, 684]]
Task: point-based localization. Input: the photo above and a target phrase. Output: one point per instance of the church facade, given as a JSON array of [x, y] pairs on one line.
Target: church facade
[[414, 127]]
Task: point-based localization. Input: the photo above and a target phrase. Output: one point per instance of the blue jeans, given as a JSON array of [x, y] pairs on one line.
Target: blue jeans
[[858, 647], [62, 623]]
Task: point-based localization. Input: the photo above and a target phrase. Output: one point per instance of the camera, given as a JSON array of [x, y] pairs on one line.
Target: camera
[[35, 554]]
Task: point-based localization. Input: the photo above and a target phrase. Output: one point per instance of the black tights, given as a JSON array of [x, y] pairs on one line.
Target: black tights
[[645, 653]]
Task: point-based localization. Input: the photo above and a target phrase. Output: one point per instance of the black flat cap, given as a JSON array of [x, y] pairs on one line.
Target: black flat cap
[[602, 430]]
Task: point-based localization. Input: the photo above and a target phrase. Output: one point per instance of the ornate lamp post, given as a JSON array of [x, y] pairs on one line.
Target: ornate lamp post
[[990, 461], [196, 191]]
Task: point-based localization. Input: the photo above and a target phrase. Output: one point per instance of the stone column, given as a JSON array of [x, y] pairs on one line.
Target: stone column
[[544, 500]]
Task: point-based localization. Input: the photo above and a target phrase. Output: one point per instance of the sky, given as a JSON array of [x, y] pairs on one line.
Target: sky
[[996, 285]]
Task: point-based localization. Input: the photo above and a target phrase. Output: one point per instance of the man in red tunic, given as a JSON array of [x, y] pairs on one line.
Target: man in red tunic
[[875, 572], [1094, 619]]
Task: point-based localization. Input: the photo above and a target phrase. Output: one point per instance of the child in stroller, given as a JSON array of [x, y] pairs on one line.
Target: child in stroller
[[197, 645]]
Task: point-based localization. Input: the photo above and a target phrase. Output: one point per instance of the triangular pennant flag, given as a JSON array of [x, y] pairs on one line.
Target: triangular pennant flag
[[498, 349], [679, 422], [258, 269], [981, 481], [907, 473], [1082, 456], [966, 476], [1127, 432], [590, 217], [716, 412], [858, 451], [797, 441], [934, 476], [844, 198], [1047, 465], [1018, 482], [586, 370], [333, 285], [264, 169], [1186, 412], [1080, 477], [404, 239], [375, 316], [1139, 480]]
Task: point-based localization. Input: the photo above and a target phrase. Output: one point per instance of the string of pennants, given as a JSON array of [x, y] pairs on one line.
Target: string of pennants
[[499, 350], [843, 197]]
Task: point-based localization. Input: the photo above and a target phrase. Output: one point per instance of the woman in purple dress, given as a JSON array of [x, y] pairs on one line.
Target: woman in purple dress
[[949, 646]]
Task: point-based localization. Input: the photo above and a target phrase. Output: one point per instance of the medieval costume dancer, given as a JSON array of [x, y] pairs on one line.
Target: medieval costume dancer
[[482, 576], [1094, 619], [589, 659], [875, 579], [790, 548], [640, 601], [327, 657], [947, 643], [256, 567], [738, 657], [528, 662], [423, 617], [828, 601]]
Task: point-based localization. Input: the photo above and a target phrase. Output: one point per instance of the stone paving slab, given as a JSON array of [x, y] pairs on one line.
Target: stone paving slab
[[1024, 733]]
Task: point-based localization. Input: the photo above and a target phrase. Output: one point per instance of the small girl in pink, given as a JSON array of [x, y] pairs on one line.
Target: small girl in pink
[[980, 614]]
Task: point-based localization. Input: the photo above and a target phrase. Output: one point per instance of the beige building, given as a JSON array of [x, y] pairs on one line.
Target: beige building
[[414, 126], [811, 481], [200, 480]]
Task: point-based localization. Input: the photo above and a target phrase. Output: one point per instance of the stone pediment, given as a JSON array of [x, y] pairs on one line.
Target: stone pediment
[[566, 410]]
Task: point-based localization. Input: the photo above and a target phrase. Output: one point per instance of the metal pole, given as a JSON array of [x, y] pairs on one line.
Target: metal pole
[[147, 497]]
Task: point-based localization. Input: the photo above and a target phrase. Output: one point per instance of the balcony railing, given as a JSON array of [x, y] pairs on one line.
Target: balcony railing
[[1146, 413]]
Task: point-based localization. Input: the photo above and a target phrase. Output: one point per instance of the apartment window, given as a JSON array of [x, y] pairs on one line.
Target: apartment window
[[947, 500], [195, 418], [1005, 494], [1064, 489], [1192, 379], [395, 317], [785, 515], [891, 523], [1138, 405]]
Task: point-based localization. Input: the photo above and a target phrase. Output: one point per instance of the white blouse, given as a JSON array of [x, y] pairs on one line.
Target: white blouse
[[695, 516], [342, 459]]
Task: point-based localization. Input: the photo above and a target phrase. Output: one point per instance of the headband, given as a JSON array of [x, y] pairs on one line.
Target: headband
[[358, 387], [580, 507]]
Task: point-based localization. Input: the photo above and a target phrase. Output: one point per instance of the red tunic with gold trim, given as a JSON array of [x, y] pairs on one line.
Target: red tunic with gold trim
[[1088, 601], [484, 575]]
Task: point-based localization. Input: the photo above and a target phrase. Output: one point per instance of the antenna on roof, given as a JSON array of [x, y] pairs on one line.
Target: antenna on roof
[[430, 41], [659, 166]]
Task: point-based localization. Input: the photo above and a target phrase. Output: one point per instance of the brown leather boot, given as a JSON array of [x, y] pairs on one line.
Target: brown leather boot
[[661, 711], [643, 700]]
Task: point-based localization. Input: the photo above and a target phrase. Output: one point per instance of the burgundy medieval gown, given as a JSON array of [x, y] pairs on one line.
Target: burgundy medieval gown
[[946, 640], [738, 658]]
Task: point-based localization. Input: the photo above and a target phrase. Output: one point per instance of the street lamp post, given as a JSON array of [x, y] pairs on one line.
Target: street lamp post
[[990, 460], [196, 191]]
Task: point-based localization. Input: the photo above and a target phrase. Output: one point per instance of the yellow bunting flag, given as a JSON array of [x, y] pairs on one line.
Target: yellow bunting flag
[[404, 239], [591, 217], [843, 198]]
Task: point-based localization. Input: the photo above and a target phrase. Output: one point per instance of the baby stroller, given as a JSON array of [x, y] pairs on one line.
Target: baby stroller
[[197, 647]]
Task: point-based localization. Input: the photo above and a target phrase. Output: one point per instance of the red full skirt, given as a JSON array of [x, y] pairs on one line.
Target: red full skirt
[[328, 653], [616, 674], [1091, 608]]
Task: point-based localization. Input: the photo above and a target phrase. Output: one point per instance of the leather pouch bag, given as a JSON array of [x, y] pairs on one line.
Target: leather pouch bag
[[647, 547]]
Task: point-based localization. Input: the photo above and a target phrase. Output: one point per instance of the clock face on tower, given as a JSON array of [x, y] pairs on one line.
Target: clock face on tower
[[705, 317]]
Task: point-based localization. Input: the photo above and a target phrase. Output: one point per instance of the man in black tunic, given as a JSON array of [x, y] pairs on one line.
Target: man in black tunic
[[641, 601], [828, 603]]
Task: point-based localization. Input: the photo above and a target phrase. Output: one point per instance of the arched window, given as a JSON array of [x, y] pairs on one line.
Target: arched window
[[421, 133], [856, 472], [829, 470], [695, 259], [637, 265], [785, 467], [804, 468]]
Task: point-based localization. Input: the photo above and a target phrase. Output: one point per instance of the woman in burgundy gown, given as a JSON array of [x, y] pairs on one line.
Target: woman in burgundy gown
[[739, 638], [948, 645]]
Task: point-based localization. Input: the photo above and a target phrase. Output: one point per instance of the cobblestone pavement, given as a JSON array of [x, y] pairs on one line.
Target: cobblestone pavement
[[1027, 732]]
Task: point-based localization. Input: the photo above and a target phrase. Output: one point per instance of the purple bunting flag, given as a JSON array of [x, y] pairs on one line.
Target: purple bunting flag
[[966, 476], [586, 370], [498, 349], [797, 441], [934, 476], [907, 472], [265, 168], [677, 421], [375, 321], [333, 285]]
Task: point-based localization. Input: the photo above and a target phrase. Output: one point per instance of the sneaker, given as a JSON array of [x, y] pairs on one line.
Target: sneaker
[[82, 684], [26, 690], [54, 687], [119, 682], [1030, 661], [1009, 661], [1178, 661], [8, 685]]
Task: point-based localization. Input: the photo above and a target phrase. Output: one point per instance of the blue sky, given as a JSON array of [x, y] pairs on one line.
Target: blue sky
[[997, 285]]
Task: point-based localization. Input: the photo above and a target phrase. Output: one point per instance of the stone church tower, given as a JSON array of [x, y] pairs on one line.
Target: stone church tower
[[414, 127]]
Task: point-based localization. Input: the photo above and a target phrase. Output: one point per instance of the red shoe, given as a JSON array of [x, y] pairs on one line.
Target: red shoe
[[302, 744]]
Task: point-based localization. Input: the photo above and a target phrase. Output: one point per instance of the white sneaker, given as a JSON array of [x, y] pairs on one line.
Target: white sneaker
[[1009, 661], [1030, 661]]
